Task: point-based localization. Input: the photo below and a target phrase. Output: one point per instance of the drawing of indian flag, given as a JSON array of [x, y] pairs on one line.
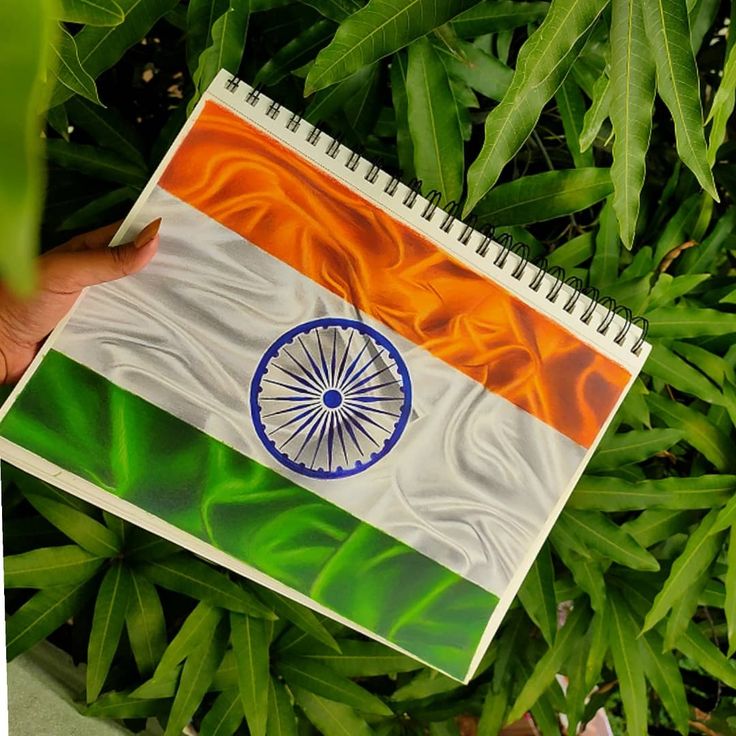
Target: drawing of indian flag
[[311, 391]]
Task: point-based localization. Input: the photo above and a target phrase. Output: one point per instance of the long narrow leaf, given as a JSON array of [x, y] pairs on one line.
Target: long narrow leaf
[[70, 73], [49, 566], [250, 644], [144, 619]]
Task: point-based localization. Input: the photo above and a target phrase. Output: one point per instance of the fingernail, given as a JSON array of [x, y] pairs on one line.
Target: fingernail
[[148, 233]]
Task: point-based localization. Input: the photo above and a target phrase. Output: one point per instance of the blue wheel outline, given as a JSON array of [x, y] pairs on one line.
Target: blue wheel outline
[[272, 352]]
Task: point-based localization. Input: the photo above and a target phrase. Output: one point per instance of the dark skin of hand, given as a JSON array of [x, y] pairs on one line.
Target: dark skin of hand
[[63, 272]]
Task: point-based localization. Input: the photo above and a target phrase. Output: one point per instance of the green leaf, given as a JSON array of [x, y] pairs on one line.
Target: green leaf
[[700, 551], [162, 685], [250, 644], [572, 253], [68, 70], [300, 616], [629, 666], [702, 258], [281, 716], [544, 196], [722, 107], [198, 626], [547, 668], [656, 525], [329, 717], [662, 363], [667, 289], [404, 145], [310, 675], [27, 33], [537, 594], [599, 533], [99, 209], [699, 432], [78, 526], [695, 645], [337, 10], [493, 714], [202, 582], [632, 447], [476, 68], [678, 82], [95, 162], [296, 53], [686, 321], [677, 227], [663, 672], [571, 106], [730, 582], [598, 111], [107, 626], [224, 717], [90, 12], [226, 49], [199, 669], [375, 31], [435, 128], [425, 684], [363, 659], [492, 16], [201, 16], [101, 48], [543, 62], [632, 100], [50, 566], [142, 546], [604, 266], [144, 619], [615, 494], [124, 705]]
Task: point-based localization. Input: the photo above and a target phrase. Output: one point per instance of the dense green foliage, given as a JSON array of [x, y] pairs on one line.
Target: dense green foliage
[[585, 115]]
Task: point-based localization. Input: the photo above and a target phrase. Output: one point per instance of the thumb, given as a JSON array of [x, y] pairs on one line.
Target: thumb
[[68, 271]]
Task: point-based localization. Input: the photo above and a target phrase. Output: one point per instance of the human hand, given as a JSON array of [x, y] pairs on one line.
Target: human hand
[[62, 274]]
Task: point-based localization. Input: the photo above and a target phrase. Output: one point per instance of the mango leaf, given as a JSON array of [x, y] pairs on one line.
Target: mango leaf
[[329, 717], [537, 595], [544, 196], [224, 717], [614, 494], [492, 16], [281, 717], [300, 616], [296, 53], [95, 162], [201, 16], [226, 49], [328, 101], [404, 145], [199, 625], [686, 321], [199, 669], [434, 124], [572, 108], [250, 645], [662, 671], [702, 258], [202, 582], [363, 659], [662, 363], [587, 573], [730, 603], [375, 31], [124, 705], [700, 551], [629, 666], [162, 685], [46, 567], [604, 266], [310, 675], [99, 209], [68, 70], [142, 546], [425, 684], [678, 83], [632, 447], [667, 289], [722, 107], [598, 111], [27, 32], [677, 228], [90, 12], [715, 367], [144, 619], [695, 645], [478, 69], [100, 48], [78, 526], [543, 62], [656, 525], [632, 100], [107, 626], [337, 10], [493, 714], [685, 608], [546, 669], [572, 253], [599, 533], [699, 432]]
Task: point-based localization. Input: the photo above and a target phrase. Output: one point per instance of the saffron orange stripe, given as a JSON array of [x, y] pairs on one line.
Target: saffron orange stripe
[[294, 210]]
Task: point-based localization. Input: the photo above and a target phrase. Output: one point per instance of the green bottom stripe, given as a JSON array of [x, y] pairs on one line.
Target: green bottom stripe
[[81, 422]]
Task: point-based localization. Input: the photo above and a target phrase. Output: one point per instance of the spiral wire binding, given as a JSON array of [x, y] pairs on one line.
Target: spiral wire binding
[[487, 232]]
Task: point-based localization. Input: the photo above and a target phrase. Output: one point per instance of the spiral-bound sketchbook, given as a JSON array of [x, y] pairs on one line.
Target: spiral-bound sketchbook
[[328, 384]]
